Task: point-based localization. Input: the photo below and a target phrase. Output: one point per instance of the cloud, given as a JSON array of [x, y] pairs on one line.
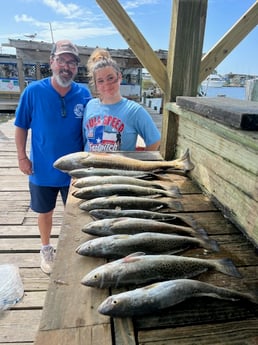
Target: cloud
[[24, 18], [69, 10], [137, 3]]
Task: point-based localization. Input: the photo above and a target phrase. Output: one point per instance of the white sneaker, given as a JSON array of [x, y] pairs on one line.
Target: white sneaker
[[47, 258]]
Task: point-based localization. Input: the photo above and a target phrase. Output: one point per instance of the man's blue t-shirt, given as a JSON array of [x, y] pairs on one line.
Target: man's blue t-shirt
[[55, 124], [115, 127]]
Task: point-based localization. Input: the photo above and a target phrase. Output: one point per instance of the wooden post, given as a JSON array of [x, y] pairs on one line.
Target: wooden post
[[20, 70], [183, 64], [136, 41]]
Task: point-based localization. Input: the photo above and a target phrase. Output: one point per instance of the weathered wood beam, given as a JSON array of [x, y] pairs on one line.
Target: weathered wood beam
[[135, 40], [183, 65], [229, 41]]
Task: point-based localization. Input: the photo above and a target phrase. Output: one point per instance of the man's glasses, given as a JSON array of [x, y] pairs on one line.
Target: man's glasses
[[63, 108], [62, 63]]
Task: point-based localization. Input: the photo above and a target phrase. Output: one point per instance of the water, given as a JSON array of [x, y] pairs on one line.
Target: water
[[4, 117], [230, 92]]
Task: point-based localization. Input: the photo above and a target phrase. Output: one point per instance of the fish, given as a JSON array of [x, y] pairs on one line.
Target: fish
[[127, 202], [85, 159], [157, 296], [139, 269], [117, 246], [172, 218], [100, 180], [87, 172], [122, 190], [131, 226]]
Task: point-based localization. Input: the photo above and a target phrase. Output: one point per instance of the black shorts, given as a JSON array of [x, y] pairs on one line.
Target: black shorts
[[43, 199]]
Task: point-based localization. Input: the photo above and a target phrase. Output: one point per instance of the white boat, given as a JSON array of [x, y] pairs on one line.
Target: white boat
[[213, 80]]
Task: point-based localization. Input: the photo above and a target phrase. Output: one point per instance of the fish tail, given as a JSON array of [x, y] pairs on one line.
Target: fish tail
[[210, 244], [252, 295], [175, 205], [174, 190], [227, 267]]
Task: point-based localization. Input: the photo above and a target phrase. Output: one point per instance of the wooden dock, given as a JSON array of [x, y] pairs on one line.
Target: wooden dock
[[20, 244], [69, 315], [20, 240]]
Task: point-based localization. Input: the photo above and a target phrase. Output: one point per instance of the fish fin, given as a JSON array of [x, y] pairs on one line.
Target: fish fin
[[227, 267], [175, 205], [210, 244], [133, 257], [175, 191], [252, 294]]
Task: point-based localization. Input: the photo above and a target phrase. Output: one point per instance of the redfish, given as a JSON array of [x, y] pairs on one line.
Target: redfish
[[84, 159]]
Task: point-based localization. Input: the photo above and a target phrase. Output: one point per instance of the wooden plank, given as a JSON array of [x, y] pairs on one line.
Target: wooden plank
[[63, 307], [241, 207], [135, 40], [231, 333], [93, 335], [124, 331], [229, 41], [24, 231], [19, 326], [14, 195], [22, 260], [31, 300], [232, 112], [31, 245], [202, 135], [248, 139], [34, 279]]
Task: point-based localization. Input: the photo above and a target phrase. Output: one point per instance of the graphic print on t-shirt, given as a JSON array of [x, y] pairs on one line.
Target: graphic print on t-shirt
[[104, 134]]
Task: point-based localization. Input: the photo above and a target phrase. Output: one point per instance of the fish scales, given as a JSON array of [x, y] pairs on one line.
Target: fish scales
[[158, 296], [138, 269], [100, 180], [127, 202], [117, 246], [84, 159], [88, 172], [105, 213], [120, 189], [129, 225]]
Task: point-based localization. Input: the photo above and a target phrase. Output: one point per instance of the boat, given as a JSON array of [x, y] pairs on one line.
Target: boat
[[213, 80]]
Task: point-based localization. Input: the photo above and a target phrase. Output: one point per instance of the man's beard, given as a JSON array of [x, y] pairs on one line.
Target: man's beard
[[63, 82]]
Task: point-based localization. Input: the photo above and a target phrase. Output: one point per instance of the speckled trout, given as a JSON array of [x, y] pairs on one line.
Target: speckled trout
[[88, 172], [127, 202], [140, 269], [84, 159], [121, 189], [120, 211], [100, 180], [130, 226], [118, 246], [151, 298]]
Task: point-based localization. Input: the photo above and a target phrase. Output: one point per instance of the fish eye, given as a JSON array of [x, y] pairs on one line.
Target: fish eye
[[114, 301], [95, 276]]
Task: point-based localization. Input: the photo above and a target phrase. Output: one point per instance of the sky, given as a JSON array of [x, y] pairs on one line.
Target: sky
[[84, 22]]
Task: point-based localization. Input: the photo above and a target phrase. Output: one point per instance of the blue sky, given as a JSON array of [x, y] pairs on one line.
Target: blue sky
[[85, 23]]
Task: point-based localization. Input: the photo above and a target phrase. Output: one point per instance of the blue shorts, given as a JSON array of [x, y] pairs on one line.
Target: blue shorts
[[43, 199]]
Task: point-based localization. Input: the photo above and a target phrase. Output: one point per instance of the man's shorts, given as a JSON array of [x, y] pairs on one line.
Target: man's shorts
[[43, 199]]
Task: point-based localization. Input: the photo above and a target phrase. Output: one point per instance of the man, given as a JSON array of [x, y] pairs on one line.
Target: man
[[53, 109]]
